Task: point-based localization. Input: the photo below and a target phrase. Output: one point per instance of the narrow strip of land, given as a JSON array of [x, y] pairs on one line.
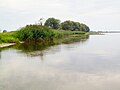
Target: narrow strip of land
[[6, 44]]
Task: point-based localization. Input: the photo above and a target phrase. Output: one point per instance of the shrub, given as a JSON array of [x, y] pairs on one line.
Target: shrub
[[35, 32]]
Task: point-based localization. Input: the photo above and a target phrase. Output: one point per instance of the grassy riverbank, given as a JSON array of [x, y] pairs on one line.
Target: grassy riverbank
[[8, 37], [35, 34]]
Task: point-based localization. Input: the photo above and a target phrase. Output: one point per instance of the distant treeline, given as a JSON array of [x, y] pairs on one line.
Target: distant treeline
[[66, 25], [108, 31]]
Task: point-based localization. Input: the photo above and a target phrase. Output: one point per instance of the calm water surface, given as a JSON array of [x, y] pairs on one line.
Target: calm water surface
[[93, 64]]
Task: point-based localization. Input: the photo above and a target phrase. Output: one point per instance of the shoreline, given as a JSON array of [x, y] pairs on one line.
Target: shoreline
[[3, 45], [6, 45]]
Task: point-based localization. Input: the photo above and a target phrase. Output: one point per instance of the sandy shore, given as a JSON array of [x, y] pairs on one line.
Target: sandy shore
[[6, 44]]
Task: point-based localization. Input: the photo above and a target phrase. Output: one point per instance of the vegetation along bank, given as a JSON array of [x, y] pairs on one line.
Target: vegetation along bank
[[52, 29]]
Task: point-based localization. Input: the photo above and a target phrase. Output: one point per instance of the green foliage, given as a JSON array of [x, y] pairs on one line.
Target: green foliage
[[64, 33], [35, 32], [8, 37], [38, 32], [52, 23], [74, 26], [45, 33], [67, 25], [84, 28]]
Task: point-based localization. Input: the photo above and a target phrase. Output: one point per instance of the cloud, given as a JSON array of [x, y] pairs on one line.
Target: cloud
[[30, 4], [29, 11]]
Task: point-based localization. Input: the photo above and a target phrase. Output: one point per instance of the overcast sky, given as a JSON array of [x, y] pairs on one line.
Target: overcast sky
[[97, 14]]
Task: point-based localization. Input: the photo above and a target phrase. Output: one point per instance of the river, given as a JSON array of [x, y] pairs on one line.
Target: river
[[92, 64]]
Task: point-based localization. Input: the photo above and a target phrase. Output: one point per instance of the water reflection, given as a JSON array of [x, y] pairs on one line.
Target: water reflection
[[40, 49], [92, 64], [19, 72]]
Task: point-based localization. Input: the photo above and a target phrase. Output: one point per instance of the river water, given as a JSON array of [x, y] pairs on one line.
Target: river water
[[92, 64]]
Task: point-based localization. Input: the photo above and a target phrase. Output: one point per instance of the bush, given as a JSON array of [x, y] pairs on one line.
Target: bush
[[35, 32]]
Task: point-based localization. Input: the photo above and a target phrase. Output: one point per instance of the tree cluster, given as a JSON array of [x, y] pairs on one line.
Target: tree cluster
[[66, 25]]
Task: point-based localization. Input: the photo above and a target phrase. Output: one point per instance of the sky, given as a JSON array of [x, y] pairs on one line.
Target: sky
[[97, 14]]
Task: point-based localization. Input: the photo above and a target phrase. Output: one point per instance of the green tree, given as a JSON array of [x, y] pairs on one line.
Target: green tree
[[84, 28], [67, 25], [74, 26], [52, 23]]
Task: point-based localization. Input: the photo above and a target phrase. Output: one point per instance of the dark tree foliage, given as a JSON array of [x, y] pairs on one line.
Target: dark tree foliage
[[84, 28], [4, 31], [74, 26], [52, 23], [67, 25]]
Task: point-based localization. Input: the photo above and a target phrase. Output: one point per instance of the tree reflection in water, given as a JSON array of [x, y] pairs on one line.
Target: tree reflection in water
[[40, 49]]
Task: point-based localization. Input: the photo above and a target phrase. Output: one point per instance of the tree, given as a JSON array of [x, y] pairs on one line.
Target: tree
[[85, 28], [52, 23], [4, 31], [74, 26], [67, 25]]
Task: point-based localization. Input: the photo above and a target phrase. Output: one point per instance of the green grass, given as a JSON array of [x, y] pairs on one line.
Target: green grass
[[62, 33], [38, 34], [8, 37]]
